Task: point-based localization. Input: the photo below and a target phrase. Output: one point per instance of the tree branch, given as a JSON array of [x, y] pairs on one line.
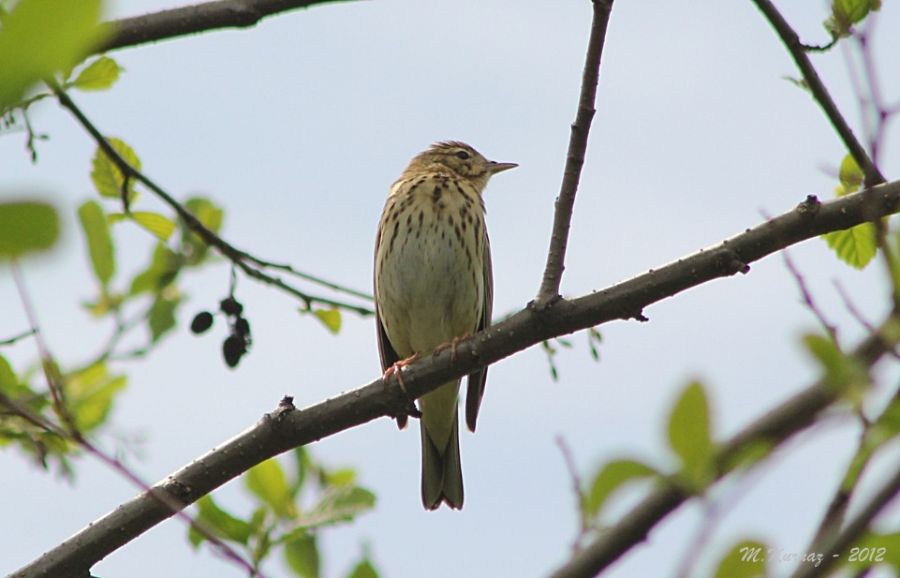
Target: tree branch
[[193, 19], [775, 427], [245, 261], [286, 428], [798, 52], [565, 202]]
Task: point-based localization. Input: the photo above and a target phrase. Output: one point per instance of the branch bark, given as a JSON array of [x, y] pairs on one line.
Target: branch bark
[[287, 428], [565, 202], [194, 19]]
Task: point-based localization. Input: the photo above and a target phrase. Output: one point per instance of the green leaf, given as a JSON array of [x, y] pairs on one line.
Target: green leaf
[[339, 504], [211, 217], [268, 483], [842, 373], [364, 569], [220, 522], [855, 246], [851, 176], [99, 241], [330, 318], [26, 227], [746, 559], [341, 477], [155, 223], [100, 74], [106, 176], [8, 379], [161, 317], [41, 37], [302, 556], [689, 435], [90, 394], [162, 271], [611, 477]]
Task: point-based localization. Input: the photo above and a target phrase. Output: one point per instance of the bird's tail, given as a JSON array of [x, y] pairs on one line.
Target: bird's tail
[[441, 470]]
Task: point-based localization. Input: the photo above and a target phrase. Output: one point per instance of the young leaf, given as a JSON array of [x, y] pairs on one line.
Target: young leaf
[[850, 175], [90, 394], [220, 522], [99, 241], [364, 569], [25, 227], [611, 477], [302, 555], [841, 371], [689, 434], [101, 74], [106, 176], [163, 268], [161, 318], [155, 223], [339, 504], [41, 37], [330, 318], [211, 217], [746, 559], [855, 246], [268, 483]]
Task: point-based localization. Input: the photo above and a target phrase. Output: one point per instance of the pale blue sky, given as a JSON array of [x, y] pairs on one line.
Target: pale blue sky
[[298, 126]]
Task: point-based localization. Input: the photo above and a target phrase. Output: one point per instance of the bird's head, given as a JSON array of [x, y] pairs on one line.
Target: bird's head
[[461, 160]]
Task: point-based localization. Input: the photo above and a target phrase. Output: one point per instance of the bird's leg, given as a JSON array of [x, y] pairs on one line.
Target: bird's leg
[[452, 345], [397, 371]]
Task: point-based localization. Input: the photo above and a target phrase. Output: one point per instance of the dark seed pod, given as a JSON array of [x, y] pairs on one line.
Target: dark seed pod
[[242, 328], [233, 349], [231, 306], [202, 321]]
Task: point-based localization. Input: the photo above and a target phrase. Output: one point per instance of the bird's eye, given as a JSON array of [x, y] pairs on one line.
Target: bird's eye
[[463, 155]]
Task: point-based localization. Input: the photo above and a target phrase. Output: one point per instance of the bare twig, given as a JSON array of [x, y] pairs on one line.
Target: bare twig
[[15, 338], [565, 202], [285, 429], [792, 42], [808, 298], [240, 258], [196, 18], [577, 490]]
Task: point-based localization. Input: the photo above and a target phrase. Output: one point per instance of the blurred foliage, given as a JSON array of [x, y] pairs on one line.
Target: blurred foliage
[[293, 504], [855, 246]]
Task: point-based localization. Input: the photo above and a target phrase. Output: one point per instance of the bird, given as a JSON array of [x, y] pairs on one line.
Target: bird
[[433, 288]]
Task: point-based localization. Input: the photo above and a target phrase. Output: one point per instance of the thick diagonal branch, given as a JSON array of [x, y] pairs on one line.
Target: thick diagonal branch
[[286, 428]]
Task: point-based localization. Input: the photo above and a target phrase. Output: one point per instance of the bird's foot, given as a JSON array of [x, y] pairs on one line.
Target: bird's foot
[[396, 370], [452, 345]]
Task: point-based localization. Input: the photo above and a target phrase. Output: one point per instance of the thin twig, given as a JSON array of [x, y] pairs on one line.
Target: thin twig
[[852, 308], [577, 489], [12, 340], [578, 138], [808, 298], [240, 258], [792, 42]]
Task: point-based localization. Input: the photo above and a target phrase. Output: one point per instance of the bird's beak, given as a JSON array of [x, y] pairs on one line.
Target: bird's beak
[[494, 167]]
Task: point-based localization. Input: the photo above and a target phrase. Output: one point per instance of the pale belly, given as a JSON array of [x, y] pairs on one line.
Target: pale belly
[[430, 287]]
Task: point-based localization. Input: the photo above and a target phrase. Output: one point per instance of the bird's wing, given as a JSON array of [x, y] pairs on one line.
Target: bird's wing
[[477, 379], [385, 350]]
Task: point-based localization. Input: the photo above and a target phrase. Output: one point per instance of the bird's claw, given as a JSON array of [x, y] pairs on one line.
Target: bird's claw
[[396, 370], [453, 344]]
